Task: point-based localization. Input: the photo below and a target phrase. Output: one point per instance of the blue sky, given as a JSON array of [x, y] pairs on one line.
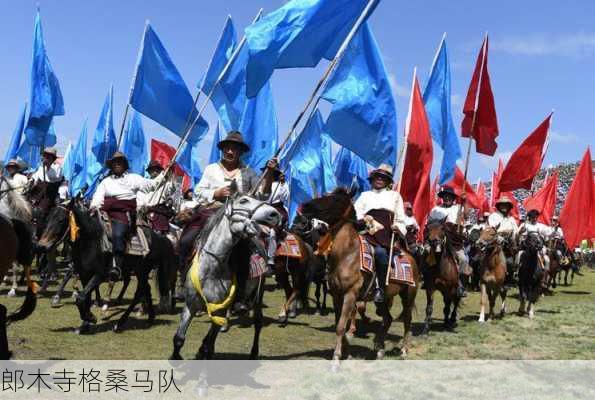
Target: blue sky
[[542, 57]]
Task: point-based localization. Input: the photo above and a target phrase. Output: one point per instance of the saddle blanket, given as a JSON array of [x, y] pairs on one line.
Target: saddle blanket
[[138, 245], [289, 247], [257, 266], [401, 271]]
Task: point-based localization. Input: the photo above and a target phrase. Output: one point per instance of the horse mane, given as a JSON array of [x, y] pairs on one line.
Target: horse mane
[[212, 222], [18, 206], [330, 208]]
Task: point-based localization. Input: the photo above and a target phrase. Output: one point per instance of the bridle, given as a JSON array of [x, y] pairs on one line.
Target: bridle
[[57, 242]]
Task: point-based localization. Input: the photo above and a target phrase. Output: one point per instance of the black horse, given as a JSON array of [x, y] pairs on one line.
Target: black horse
[[531, 274], [92, 263]]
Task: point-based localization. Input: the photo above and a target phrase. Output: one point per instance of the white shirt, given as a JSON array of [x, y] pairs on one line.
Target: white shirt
[[527, 227], [410, 221], [155, 197], [18, 181], [188, 204], [383, 199], [450, 214], [279, 193], [63, 192], [124, 187], [505, 224], [556, 233], [52, 174], [215, 177]]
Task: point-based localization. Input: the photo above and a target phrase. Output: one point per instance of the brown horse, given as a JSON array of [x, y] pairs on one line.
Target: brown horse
[[441, 274], [347, 282], [492, 272]]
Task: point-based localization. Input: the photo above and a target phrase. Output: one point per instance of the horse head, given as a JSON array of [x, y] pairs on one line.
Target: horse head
[[533, 242], [487, 238], [331, 208], [246, 214], [435, 236], [56, 227]]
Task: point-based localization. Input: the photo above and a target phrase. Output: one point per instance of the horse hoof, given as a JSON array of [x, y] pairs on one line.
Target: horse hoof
[[75, 295], [531, 314], [481, 320], [117, 329], [56, 302], [282, 319], [403, 353], [83, 329], [349, 336], [292, 314], [224, 328], [11, 293], [176, 357], [317, 313], [380, 354]]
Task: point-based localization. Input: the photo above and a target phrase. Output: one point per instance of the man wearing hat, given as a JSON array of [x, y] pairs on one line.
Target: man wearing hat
[[116, 195], [46, 181], [453, 215], [382, 207], [410, 221], [530, 226], [556, 239], [507, 230], [17, 180], [155, 202]]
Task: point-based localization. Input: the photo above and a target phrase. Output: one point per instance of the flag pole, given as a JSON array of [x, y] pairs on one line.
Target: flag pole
[[315, 97], [400, 162]]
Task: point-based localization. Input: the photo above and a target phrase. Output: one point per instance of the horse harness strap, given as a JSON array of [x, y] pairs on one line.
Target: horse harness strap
[[325, 243], [212, 307]]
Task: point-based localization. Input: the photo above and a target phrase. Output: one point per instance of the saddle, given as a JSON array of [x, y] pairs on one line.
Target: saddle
[[137, 245], [289, 247], [401, 271]]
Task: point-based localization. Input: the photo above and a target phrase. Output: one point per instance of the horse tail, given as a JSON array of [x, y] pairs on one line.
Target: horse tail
[[29, 303]]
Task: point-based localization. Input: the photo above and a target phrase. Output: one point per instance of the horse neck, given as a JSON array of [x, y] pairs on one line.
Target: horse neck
[[220, 239], [89, 226], [345, 244]]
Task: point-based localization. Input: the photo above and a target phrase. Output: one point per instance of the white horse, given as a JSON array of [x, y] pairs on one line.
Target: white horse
[[211, 280]]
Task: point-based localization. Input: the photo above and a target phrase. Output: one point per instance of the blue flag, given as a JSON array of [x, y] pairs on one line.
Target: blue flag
[[351, 171], [104, 144], [259, 128], [67, 162], [31, 153], [299, 34], [228, 98], [78, 164], [134, 145], [308, 165], [189, 161], [15, 139], [215, 154], [159, 92], [363, 117], [437, 101], [46, 97]]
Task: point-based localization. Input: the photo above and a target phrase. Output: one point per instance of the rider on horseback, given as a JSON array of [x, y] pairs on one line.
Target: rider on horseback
[[117, 196], [532, 226], [376, 208], [17, 180], [507, 230], [452, 216], [156, 202]]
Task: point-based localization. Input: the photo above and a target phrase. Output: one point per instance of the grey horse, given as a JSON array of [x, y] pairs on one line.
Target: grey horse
[[238, 219]]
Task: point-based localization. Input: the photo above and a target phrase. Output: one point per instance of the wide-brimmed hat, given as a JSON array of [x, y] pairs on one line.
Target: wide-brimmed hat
[[447, 190], [12, 163], [115, 156], [504, 200], [51, 151], [384, 170], [154, 164], [533, 211], [234, 137]]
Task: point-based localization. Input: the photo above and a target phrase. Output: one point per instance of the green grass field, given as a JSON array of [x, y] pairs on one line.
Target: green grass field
[[563, 328]]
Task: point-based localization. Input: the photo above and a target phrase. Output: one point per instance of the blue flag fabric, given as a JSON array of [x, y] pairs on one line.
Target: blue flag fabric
[[259, 128], [134, 145], [189, 161], [299, 34], [438, 109], [67, 162], [103, 146], [78, 169], [308, 165], [46, 97], [159, 92], [228, 98], [15, 139], [215, 154], [351, 171], [363, 117], [31, 153]]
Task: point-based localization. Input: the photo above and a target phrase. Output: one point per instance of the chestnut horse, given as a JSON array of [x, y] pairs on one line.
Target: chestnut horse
[[441, 273], [492, 272], [347, 282]]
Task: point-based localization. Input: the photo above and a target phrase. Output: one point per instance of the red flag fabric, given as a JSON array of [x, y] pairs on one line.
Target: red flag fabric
[[525, 162], [415, 179], [163, 153], [544, 200], [458, 182], [578, 213], [482, 198], [480, 122]]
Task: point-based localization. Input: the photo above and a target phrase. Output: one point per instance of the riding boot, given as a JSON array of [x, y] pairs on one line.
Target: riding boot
[[271, 250], [380, 282], [115, 273]]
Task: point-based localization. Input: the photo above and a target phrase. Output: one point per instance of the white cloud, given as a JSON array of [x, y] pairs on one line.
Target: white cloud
[[564, 138], [575, 44], [398, 90]]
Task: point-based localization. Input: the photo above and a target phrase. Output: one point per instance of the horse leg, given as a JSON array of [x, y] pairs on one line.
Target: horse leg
[[125, 283], [14, 286], [482, 302], [283, 280], [207, 348], [503, 306], [60, 293], [317, 296], [566, 277], [429, 310], [352, 324], [387, 320], [492, 297], [257, 321], [408, 302], [139, 295], [324, 296], [446, 311], [4, 352], [83, 303], [190, 308]]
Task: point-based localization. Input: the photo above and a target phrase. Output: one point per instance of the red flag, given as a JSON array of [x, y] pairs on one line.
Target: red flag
[[458, 182], [480, 122], [482, 198], [578, 213], [544, 200], [163, 153], [415, 179], [525, 162]]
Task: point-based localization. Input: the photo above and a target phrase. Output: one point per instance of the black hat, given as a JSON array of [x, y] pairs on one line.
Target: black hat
[[504, 200], [117, 155], [234, 137], [12, 163], [533, 211], [447, 190], [154, 164]]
